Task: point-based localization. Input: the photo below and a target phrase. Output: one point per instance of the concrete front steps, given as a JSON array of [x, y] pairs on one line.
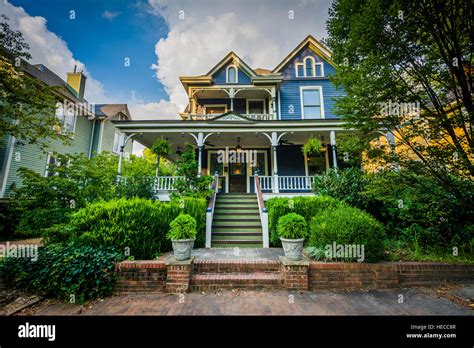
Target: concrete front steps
[[236, 222], [214, 275]]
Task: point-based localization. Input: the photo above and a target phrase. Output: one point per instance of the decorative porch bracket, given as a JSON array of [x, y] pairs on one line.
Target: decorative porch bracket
[[200, 141]]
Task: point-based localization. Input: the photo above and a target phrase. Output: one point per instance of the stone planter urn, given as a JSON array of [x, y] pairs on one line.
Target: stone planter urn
[[182, 248], [293, 248]]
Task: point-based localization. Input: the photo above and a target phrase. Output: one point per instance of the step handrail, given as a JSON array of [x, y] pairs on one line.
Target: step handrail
[[210, 209], [263, 212]]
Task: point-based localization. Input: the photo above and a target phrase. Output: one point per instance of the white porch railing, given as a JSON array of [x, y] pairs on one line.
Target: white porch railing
[[166, 183], [290, 183]]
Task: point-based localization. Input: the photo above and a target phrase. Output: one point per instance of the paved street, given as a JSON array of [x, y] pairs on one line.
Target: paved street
[[416, 301]]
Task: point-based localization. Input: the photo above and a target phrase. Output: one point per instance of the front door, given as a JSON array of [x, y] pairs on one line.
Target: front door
[[237, 177]]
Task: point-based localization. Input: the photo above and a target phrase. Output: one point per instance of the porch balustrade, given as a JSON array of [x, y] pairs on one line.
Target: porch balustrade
[[267, 183], [166, 183], [290, 183]]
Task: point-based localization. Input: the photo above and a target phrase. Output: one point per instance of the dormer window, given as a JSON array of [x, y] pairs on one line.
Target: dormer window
[[309, 68], [231, 76]]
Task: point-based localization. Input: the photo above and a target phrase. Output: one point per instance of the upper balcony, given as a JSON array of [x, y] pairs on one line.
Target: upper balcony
[[254, 102]]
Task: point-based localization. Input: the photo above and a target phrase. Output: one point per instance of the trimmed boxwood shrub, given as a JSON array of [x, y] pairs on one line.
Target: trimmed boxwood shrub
[[292, 226], [136, 225], [69, 272], [346, 225], [306, 206]]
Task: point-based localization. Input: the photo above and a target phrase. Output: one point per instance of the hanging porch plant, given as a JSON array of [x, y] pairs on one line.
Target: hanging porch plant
[[313, 146]]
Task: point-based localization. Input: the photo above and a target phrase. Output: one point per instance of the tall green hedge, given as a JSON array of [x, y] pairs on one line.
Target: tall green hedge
[[348, 226], [138, 225], [306, 206]]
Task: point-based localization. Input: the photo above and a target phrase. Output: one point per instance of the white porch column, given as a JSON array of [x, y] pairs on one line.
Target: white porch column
[[273, 111], [333, 147], [231, 96], [200, 141], [274, 140]]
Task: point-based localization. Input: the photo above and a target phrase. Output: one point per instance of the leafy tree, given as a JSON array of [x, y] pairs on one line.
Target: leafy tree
[[393, 52], [28, 106], [160, 147], [192, 184]]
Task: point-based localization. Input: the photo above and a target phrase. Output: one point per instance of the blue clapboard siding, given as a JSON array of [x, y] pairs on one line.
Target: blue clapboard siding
[[219, 77], [290, 99]]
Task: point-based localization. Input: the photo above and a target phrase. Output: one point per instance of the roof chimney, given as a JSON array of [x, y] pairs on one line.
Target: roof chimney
[[77, 81]]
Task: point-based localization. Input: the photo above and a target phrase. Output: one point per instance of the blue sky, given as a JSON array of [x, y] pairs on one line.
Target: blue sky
[[103, 43]]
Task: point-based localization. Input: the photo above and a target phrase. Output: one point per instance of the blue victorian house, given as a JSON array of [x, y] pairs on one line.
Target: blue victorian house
[[245, 121]]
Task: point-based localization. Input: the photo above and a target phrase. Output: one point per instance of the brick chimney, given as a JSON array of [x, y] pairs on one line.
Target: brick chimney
[[77, 81]]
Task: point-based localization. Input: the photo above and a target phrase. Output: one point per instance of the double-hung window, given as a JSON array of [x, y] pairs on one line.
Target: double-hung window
[[67, 119], [50, 163], [312, 102]]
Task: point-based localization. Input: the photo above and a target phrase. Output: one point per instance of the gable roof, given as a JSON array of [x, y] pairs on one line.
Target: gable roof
[[313, 44], [234, 58], [112, 110], [231, 116]]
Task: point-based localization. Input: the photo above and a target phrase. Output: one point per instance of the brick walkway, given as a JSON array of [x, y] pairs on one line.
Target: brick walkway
[[417, 301]]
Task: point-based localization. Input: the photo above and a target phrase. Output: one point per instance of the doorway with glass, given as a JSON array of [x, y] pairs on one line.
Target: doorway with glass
[[235, 168]]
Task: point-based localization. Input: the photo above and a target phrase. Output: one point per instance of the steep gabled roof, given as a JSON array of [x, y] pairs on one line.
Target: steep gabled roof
[[313, 44], [232, 57]]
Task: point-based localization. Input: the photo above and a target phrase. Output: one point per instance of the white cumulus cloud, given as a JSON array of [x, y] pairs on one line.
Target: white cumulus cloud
[[49, 49], [261, 32]]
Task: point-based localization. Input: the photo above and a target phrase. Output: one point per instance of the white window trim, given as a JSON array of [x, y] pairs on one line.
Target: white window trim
[[303, 64], [296, 69], [312, 65], [322, 69], [236, 74], [215, 106], [113, 144], [62, 131], [249, 100], [320, 88]]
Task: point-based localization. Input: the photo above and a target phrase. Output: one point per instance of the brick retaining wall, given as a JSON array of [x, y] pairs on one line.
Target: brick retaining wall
[[384, 275], [141, 276], [171, 276]]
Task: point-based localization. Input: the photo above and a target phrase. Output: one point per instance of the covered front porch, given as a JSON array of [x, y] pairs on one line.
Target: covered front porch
[[236, 148]]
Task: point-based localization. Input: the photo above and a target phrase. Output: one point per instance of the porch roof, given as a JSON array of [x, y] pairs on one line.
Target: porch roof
[[225, 132]]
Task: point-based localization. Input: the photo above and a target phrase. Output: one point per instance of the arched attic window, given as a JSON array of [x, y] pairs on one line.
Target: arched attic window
[[231, 75], [309, 66]]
